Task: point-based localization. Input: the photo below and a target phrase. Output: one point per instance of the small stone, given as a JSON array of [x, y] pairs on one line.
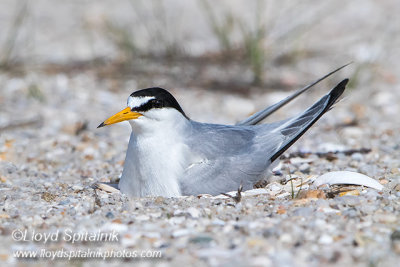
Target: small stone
[[177, 220], [152, 235], [142, 218], [371, 194], [103, 196], [286, 238], [46, 196], [64, 202], [179, 213], [395, 239], [350, 213], [395, 235], [159, 200], [118, 227], [218, 222], [4, 216], [383, 181], [110, 215], [180, 232], [350, 200], [350, 193], [275, 188], [329, 210], [283, 195], [357, 156], [7, 167], [281, 210], [128, 241], [77, 188], [313, 194], [117, 221], [397, 187], [304, 168], [395, 171], [325, 240], [303, 211], [201, 240], [367, 208], [255, 242], [385, 218], [193, 212], [396, 246]]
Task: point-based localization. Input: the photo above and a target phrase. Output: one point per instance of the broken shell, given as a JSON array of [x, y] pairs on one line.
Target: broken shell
[[347, 177]]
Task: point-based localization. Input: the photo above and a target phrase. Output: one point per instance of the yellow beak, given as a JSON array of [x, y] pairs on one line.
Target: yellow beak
[[123, 115]]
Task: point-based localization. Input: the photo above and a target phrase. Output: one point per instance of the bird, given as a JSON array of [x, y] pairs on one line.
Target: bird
[[171, 155]]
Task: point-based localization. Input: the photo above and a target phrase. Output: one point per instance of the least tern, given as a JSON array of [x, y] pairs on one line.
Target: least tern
[[171, 155]]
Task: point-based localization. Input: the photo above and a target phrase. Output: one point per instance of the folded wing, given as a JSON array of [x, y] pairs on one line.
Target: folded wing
[[227, 156]]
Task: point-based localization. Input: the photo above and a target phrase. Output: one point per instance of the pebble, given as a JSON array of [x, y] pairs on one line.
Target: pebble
[[64, 202], [77, 188], [218, 222], [110, 215], [395, 170], [142, 218], [286, 238], [385, 218], [3, 179], [180, 233], [304, 168], [201, 239], [303, 212], [350, 200], [7, 167], [357, 156], [193, 212], [275, 188], [159, 200], [325, 240]]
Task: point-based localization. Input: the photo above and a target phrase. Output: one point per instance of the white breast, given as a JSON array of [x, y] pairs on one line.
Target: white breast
[[156, 157]]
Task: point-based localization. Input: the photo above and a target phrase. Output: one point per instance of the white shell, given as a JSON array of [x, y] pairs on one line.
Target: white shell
[[347, 177]]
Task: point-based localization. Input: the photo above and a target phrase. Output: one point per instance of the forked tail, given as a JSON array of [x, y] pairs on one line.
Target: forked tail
[[293, 129]]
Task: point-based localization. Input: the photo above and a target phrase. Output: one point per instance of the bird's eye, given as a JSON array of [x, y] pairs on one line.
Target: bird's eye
[[157, 103]]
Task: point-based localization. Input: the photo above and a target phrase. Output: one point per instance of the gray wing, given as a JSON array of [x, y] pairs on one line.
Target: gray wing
[[230, 155], [259, 116]]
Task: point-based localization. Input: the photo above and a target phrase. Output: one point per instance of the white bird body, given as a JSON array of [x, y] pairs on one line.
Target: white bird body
[[155, 156], [170, 155]]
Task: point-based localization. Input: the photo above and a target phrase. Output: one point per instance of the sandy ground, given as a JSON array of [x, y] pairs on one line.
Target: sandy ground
[[51, 153]]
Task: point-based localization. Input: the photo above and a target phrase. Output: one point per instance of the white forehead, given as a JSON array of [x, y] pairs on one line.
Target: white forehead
[[134, 102]]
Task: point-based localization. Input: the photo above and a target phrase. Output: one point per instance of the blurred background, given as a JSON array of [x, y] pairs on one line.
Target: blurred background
[[65, 66]]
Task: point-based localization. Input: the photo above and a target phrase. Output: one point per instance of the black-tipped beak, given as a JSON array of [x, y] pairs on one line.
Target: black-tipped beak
[[101, 125]]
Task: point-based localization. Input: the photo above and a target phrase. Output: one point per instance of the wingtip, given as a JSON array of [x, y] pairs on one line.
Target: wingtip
[[345, 81], [339, 88], [336, 92], [101, 125]]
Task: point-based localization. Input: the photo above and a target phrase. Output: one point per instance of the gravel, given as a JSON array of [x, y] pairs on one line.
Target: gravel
[[52, 155]]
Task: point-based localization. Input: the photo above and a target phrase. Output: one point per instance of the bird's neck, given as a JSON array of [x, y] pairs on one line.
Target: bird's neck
[[155, 161]]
